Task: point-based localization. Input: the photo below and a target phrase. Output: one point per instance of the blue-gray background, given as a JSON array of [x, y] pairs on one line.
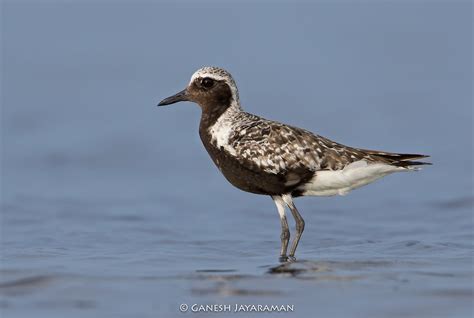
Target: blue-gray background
[[111, 206]]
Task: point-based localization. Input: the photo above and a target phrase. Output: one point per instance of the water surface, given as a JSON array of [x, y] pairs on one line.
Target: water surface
[[112, 208]]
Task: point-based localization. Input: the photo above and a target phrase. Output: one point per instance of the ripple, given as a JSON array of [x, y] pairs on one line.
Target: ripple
[[26, 282], [215, 270], [457, 203]]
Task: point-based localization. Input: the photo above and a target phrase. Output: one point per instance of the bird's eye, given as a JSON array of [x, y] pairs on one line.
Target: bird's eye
[[207, 82]]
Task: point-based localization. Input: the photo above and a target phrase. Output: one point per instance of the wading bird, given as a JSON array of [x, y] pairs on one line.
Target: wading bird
[[266, 157]]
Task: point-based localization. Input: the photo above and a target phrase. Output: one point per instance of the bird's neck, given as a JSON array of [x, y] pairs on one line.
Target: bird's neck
[[212, 113]]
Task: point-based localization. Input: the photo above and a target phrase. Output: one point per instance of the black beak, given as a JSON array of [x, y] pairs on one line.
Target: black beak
[[179, 97]]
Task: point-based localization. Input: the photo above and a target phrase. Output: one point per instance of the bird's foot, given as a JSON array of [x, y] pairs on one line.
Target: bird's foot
[[287, 259]]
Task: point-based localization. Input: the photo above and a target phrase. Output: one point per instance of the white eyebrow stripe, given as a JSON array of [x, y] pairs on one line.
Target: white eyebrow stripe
[[218, 75]]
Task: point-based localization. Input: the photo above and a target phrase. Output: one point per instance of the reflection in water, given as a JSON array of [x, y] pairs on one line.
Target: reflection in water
[[328, 270]]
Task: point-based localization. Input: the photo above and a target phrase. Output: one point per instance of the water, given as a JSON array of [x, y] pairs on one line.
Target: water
[[112, 208]]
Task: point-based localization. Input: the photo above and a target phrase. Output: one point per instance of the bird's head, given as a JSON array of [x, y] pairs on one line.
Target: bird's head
[[209, 87]]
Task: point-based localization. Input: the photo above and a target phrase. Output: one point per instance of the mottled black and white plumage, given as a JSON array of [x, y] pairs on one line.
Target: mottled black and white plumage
[[267, 157]]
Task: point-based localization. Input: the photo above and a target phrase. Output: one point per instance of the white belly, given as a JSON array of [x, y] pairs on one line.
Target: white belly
[[354, 175]]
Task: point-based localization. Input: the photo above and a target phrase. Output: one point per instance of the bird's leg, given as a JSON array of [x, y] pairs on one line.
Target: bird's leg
[[299, 224], [285, 231]]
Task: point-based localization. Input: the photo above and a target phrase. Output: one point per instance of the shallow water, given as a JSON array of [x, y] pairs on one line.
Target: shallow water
[[112, 208]]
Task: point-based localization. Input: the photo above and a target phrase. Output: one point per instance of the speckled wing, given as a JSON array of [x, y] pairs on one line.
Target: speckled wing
[[295, 153], [287, 151]]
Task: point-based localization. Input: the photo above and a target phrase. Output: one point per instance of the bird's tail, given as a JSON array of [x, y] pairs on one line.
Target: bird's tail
[[404, 160]]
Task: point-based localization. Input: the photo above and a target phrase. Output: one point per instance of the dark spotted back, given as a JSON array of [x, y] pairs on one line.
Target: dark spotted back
[[281, 149]]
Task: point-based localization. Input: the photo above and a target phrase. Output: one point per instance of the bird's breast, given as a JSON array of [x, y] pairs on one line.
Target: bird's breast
[[236, 171]]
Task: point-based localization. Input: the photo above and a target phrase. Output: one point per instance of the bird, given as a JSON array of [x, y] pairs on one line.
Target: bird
[[267, 157]]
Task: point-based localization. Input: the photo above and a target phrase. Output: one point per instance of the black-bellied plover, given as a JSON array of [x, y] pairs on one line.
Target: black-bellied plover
[[266, 157]]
